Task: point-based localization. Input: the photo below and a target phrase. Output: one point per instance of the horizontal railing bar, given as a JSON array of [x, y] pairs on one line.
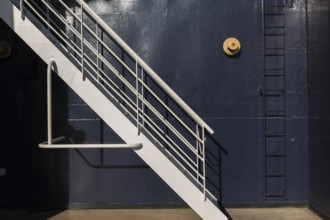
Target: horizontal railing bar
[[100, 41], [62, 19], [155, 125], [174, 149], [52, 28], [150, 106], [69, 10], [170, 126], [169, 110], [172, 142], [117, 101], [113, 69], [151, 92], [111, 87], [135, 146], [178, 162], [147, 69], [89, 146], [121, 94], [109, 50], [178, 134]]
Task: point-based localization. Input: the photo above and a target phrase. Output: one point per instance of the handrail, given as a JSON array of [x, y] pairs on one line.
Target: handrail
[[148, 69], [50, 143]]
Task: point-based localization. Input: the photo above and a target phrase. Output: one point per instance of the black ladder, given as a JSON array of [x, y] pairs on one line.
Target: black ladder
[[274, 93]]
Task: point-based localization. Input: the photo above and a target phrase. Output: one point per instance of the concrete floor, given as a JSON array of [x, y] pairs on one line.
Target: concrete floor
[[158, 214]]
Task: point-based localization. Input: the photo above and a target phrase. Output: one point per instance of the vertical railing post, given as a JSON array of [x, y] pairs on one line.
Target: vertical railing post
[[21, 6], [82, 40], [137, 96], [201, 163], [51, 64], [204, 162], [198, 151], [98, 54], [142, 101]]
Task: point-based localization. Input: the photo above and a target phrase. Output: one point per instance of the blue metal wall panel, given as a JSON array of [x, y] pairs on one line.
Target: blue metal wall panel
[[182, 42]]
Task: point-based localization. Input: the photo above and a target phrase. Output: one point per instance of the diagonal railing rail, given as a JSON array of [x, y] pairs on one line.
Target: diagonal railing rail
[[105, 59]]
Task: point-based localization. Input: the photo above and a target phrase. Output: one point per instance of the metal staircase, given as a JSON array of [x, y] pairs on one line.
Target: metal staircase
[[122, 89]]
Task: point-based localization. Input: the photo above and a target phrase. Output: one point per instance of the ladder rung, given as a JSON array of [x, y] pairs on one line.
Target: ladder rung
[[275, 26], [274, 10], [274, 6], [274, 93], [275, 114], [275, 134], [275, 30], [275, 155], [276, 175], [269, 54], [274, 13], [274, 52], [276, 195], [274, 75], [274, 72], [274, 69], [274, 34], [274, 48]]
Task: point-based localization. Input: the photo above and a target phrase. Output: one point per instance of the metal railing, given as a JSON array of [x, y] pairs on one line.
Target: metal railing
[[52, 143], [128, 81]]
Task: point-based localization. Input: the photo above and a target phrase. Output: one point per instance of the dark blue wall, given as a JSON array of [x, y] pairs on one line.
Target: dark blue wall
[[29, 175], [319, 104], [182, 42]]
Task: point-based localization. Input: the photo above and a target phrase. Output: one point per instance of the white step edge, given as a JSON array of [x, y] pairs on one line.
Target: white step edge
[[110, 114]]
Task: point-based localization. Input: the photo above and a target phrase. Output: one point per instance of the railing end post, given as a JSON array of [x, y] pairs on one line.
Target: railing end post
[[22, 9]]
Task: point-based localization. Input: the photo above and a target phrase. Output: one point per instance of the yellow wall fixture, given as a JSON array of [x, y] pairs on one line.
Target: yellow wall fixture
[[5, 50], [231, 46]]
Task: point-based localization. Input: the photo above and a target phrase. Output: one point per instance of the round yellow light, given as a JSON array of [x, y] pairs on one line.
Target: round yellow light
[[231, 46]]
